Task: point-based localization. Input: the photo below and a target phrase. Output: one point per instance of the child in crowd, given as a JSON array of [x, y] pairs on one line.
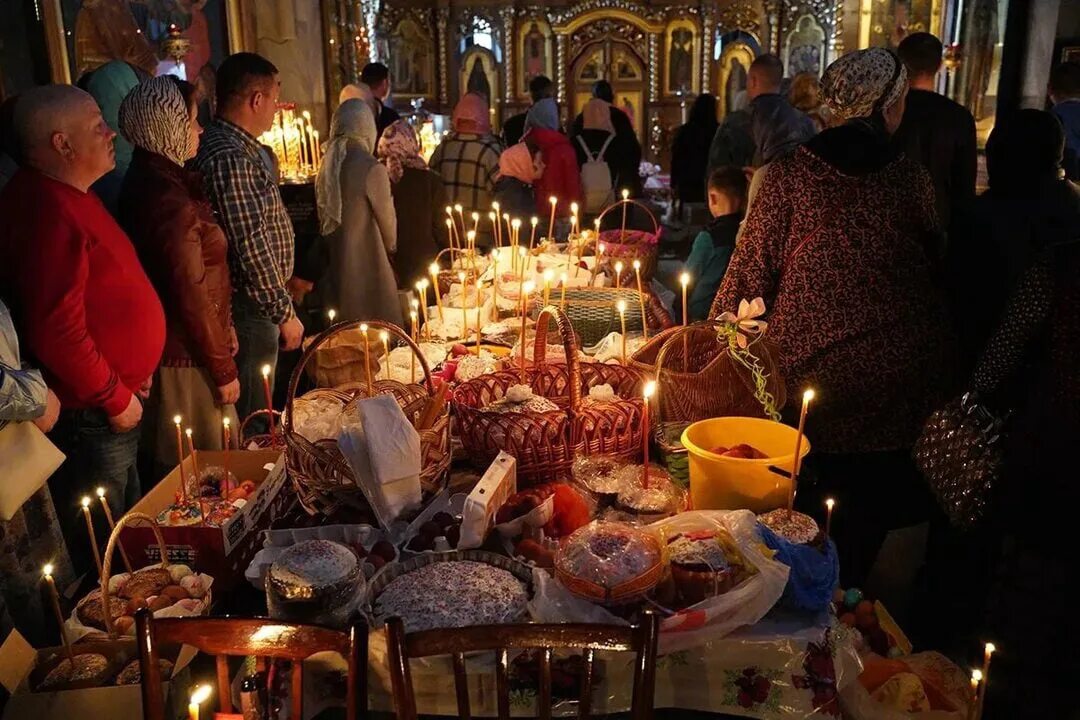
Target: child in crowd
[[713, 246]]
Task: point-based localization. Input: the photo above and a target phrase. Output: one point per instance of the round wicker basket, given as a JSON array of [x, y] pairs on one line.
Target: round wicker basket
[[630, 245], [321, 475]]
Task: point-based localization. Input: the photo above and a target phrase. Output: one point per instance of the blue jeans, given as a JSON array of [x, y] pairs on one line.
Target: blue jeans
[[257, 336], [96, 457]]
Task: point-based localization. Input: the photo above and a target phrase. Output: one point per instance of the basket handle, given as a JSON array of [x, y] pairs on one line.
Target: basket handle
[[450, 250], [336, 329], [631, 201], [569, 343], [241, 433], [683, 331], [110, 551]]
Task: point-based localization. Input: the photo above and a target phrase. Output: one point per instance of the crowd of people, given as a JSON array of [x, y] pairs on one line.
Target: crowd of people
[[149, 267]]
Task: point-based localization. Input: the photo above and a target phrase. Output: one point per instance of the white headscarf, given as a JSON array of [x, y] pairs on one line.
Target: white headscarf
[[155, 117], [353, 120]]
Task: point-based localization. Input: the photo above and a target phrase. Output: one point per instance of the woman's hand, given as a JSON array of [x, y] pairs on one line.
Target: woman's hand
[[234, 342], [228, 394], [48, 419]]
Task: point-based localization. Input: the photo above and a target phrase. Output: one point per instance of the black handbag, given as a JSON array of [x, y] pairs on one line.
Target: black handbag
[[959, 453]]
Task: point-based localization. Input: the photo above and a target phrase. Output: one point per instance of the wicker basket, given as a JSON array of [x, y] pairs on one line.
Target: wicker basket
[[592, 312], [448, 276], [266, 441], [322, 476], [545, 443], [110, 551], [698, 379], [631, 245]]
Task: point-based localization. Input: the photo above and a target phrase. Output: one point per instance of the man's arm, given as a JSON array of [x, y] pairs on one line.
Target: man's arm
[[242, 206]]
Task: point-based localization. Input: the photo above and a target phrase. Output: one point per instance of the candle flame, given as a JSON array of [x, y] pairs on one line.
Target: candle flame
[[990, 648], [619, 267], [533, 220], [461, 277], [331, 313], [830, 503], [363, 328], [495, 205], [491, 216], [596, 222], [522, 251], [553, 200], [601, 246], [684, 279], [449, 210], [188, 433], [548, 275], [433, 268], [307, 115], [475, 215], [621, 306], [384, 336], [412, 314], [573, 208], [457, 207], [515, 223], [266, 371], [47, 571], [625, 194], [177, 419], [415, 304], [495, 254], [637, 265], [201, 695], [650, 389], [100, 492], [976, 675], [808, 395], [225, 422], [85, 502], [528, 287], [449, 222], [471, 235]]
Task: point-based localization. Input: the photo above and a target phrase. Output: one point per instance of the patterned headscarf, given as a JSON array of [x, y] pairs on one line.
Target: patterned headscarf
[[544, 114], [399, 149], [516, 162], [861, 83], [352, 120], [596, 115], [155, 117], [471, 115]]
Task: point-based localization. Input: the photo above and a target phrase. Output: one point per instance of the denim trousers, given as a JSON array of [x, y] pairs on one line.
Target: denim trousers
[[96, 457], [257, 336]]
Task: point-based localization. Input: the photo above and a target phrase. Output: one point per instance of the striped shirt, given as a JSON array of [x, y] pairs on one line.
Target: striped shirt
[[249, 208], [469, 166]]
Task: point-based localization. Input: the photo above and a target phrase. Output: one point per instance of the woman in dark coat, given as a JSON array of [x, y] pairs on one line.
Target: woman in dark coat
[[839, 243], [419, 201], [183, 249], [519, 167], [688, 160]]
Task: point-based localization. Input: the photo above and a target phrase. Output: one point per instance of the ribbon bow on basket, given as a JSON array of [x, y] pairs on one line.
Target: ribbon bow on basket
[[744, 327], [740, 331]]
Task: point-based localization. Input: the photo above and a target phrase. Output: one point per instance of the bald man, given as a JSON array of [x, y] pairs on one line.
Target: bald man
[[83, 304]]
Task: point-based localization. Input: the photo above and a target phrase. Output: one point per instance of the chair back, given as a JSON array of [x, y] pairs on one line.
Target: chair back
[[640, 639], [263, 638]]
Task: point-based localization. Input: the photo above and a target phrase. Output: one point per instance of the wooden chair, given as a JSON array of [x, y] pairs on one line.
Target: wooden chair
[[260, 637], [640, 639]]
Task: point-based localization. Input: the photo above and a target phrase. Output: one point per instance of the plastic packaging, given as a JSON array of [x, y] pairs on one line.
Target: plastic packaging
[[815, 572], [610, 563]]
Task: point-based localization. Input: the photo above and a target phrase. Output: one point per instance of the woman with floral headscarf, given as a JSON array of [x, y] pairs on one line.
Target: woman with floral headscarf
[[164, 211], [419, 201], [356, 210], [841, 243]]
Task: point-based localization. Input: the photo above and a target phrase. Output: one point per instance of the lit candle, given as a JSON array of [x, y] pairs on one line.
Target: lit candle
[[475, 222], [367, 358], [311, 142], [622, 231], [562, 295], [201, 695], [434, 270], [180, 456], [47, 571], [415, 314], [385, 337], [796, 464], [526, 290], [318, 147], [829, 505], [412, 317], [495, 272], [463, 278], [470, 244], [112, 526], [226, 442], [647, 393], [450, 232], [532, 234], [621, 307], [331, 314], [573, 218], [599, 255], [494, 228], [191, 449], [90, 529], [461, 215], [551, 223], [498, 224], [515, 224], [523, 265], [973, 706], [641, 299], [421, 287], [269, 397], [988, 650], [684, 280], [618, 274]]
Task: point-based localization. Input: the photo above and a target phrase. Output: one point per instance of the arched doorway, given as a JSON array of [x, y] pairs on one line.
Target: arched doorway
[[609, 58]]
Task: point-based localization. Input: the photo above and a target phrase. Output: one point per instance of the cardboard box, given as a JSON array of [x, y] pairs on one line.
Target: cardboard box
[[22, 667], [221, 552]]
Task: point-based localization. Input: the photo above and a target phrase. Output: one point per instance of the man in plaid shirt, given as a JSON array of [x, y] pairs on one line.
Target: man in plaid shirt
[[245, 196], [468, 159]]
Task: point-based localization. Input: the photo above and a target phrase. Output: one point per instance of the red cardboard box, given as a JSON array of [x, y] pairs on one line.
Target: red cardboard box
[[221, 552]]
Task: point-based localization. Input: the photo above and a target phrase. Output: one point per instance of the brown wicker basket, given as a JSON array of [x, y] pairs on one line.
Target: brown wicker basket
[[321, 475], [545, 443], [630, 246], [265, 441], [698, 379], [448, 276]]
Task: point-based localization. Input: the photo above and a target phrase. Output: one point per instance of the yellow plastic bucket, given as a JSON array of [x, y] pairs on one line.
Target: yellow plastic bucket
[[725, 483]]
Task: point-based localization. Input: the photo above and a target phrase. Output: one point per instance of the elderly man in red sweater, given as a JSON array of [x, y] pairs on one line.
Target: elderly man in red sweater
[[84, 306]]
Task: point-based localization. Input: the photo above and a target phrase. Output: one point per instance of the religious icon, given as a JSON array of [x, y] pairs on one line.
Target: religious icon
[[681, 60], [735, 87], [478, 82], [535, 53], [410, 59], [804, 47]]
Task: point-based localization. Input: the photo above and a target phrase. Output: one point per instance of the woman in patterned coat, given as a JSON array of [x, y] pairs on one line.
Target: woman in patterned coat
[[841, 243]]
